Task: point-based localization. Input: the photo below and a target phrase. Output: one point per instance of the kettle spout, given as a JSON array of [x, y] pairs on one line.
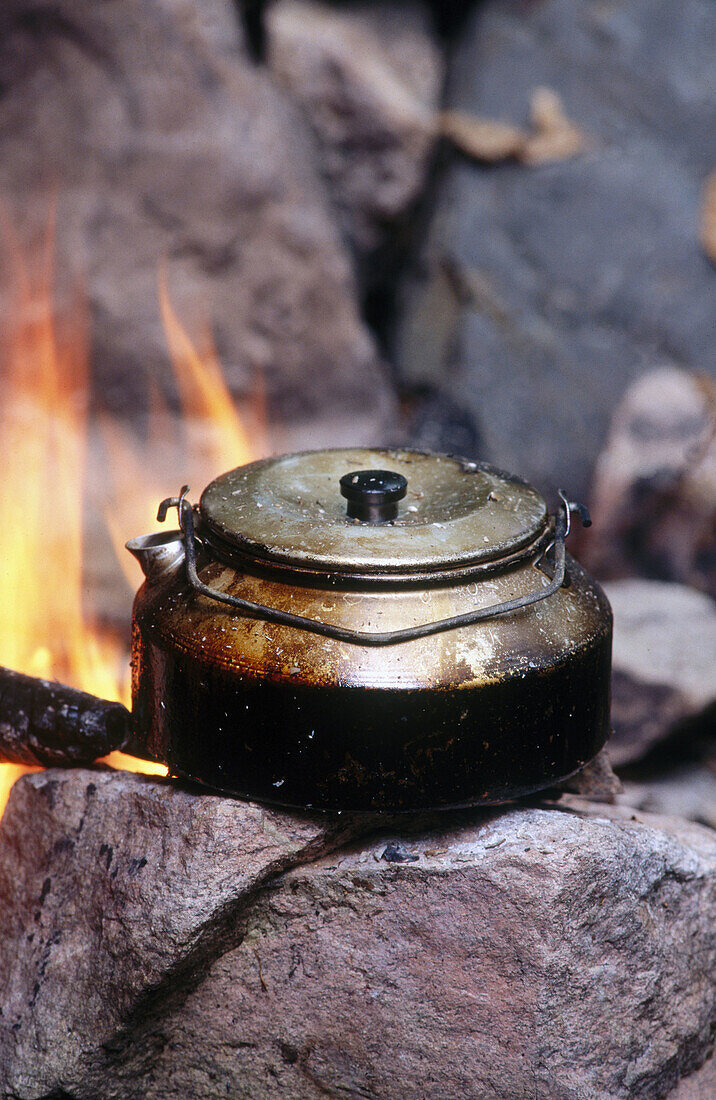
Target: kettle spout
[[160, 554]]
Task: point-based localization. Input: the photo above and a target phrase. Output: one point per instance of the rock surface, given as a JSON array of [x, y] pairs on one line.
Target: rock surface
[[156, 944], [654, 497], [543, 291], [163, 141], [663, 666], [698, 1086], [688, 791], [368, 77], [595, 782], [113, 885]]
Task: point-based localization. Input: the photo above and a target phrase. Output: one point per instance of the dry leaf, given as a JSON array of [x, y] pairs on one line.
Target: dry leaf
[[546, 111], [481, 138], [555, 137], [708, 218]]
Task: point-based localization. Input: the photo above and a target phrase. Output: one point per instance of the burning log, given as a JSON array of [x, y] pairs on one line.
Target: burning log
[[43, 722]]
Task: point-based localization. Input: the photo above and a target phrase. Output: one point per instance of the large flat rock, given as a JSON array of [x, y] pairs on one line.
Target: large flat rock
[[163, 943], [544, 291]]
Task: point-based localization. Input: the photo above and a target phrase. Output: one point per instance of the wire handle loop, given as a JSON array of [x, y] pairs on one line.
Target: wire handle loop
[[562, 525]]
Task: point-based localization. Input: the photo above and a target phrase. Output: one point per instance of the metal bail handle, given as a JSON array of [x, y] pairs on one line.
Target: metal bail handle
[[562, 525]]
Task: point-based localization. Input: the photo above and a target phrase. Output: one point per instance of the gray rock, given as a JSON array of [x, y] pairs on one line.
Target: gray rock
[[654, 496], [162, 140], [664, 665], [368, 77], [688, 791], [529, 953], [542, 291]]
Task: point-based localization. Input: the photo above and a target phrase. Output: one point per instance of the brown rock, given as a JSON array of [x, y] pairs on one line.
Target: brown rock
[[663, 671], [368, 77], [596, 782], [654, 496], [111, 885], [162, 140], [211, 22], [529, 953]]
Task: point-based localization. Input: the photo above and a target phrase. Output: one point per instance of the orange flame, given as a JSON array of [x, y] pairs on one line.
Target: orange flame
[[45, 629], [212, 437], [204, 394]]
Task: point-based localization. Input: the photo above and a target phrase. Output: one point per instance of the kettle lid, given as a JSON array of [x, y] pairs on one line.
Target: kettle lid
[[372, 511]]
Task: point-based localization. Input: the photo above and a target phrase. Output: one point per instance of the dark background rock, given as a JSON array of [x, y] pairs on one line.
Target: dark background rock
[[155, 944], [541, 292]]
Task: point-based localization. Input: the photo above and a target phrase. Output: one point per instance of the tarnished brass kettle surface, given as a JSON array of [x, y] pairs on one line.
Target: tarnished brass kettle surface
[[369, 629]]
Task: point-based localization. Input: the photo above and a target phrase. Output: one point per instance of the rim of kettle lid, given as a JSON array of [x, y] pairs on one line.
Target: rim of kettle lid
[[372, 510]]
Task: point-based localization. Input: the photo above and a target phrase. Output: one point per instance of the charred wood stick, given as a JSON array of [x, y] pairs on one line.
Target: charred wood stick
[[43, 722]]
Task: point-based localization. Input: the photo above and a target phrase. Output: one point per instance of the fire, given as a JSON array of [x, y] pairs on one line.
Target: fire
[[46, 628], [212, 438]]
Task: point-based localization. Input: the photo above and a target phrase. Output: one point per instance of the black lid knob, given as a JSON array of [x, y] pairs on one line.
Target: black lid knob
[[373, 495]]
